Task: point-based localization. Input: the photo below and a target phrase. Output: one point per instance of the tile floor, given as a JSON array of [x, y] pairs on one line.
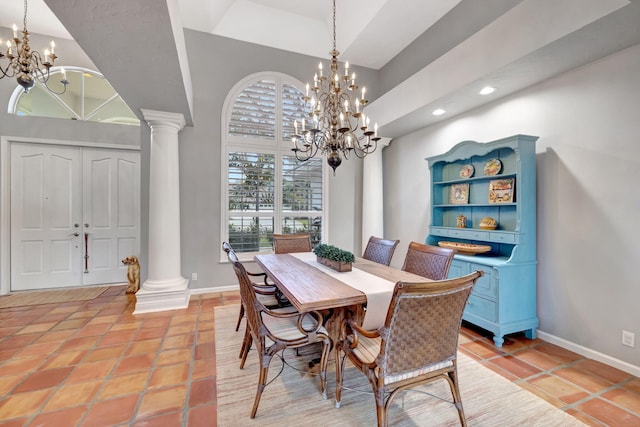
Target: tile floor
[[92, 363]]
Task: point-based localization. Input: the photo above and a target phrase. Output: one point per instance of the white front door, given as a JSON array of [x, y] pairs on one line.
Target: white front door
[[74, 215]]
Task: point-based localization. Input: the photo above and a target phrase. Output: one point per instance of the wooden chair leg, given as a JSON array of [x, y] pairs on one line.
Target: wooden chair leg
[[381, 408], [339, 369], [262, 383], [245, 342], [247, 347], [457, 399], [240, 316]]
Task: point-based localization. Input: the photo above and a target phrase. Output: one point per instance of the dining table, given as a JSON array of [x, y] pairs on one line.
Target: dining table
[[364, 293]]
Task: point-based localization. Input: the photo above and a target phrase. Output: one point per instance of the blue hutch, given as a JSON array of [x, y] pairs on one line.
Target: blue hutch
[[503, 301]]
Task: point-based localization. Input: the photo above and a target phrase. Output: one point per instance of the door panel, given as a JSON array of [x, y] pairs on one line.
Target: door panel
[[45, 208], [58, 194], [111, 212]]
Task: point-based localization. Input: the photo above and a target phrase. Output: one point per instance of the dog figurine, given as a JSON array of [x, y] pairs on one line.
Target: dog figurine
[[133, 274]]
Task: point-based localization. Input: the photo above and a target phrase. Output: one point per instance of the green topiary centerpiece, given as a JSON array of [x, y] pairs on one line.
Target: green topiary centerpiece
[[333, 257]]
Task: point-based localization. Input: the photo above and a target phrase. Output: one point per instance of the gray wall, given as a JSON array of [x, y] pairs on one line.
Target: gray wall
[[217, 64], [587, 163]]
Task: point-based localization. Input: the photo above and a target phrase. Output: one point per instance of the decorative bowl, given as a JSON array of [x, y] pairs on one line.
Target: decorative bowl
[[465, 248], [488, 223]]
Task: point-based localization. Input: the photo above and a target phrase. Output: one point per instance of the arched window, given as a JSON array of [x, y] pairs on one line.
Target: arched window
[[89, 97], [265, 189]]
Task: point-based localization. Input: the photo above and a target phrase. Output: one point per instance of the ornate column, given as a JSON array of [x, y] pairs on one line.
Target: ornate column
[[372, 194], [165, 288]]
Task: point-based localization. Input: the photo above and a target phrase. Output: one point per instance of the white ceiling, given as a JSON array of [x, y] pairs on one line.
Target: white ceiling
[[444, 50]]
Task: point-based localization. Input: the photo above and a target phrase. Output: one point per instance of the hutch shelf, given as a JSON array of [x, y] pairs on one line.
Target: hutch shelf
[[498, 180]]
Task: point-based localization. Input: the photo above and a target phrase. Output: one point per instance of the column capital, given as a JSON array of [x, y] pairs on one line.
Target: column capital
[[163, 118]]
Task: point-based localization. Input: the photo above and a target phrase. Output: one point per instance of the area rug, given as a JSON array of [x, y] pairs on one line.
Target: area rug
[[26, 298], [294, 398]]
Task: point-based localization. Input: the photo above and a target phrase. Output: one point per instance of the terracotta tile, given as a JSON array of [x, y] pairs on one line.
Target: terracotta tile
[[79, 343], [625, 398], [150, 333], [586, 419], [607, 372], [499, 370], [155, 322], [515, 366], [169, 357], [181, 330], [189, 319], [169, 376], [7, 331], [83, 314], [20, 341], [111, 412], [92, 330], [202, 392], [141, 362], [91, 371], [64, 309], [38, 327], [14, 423], [558, 388], [23, 404], [206, 336], [129, 326], [63, 417], [142, 347], [104, 353], [178, 341], [558, 353], [124, 384], [203, 416], [59, 336], [482, 349], [9, 381], [589, 382], [542, 394], [609, 414], [161, 401], [43, 379], [24, 365], [70, 324], [203, 369], [70, 395], [103, 319], [633, 385], [205, 351], [537, 358], [166, 420], [60, 360], [117, 337]]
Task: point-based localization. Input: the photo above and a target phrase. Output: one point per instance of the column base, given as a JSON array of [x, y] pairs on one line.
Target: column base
[[172, 296]]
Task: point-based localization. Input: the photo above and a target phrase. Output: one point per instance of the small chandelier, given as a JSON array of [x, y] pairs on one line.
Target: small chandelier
[[27, 65], [337, 125]]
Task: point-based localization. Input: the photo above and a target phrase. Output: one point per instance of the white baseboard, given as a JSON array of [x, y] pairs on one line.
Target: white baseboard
[[214, 289], [590, 353]]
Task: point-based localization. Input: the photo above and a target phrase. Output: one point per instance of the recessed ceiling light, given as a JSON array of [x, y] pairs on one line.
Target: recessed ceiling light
[[438, 112], [487, 90]]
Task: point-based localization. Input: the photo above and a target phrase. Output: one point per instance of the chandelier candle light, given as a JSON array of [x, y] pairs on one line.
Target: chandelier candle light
[[337, 125], [27, 65]]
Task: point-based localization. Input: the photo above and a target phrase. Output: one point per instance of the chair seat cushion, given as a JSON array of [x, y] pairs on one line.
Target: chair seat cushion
[[369, 348], [268, 300], [287, 328]]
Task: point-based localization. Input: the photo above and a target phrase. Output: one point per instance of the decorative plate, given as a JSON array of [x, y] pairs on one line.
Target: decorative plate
[[465, 248], [466, 171], [492, 167]]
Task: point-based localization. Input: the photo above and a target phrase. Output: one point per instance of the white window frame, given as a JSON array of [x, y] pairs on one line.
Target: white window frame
[[278, 146]]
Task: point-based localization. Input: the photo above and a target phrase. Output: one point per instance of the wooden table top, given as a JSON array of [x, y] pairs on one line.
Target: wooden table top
[[309, 288]]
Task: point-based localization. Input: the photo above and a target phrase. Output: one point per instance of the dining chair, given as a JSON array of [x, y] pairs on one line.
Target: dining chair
[[380, 250], [417, 344], [273, 332], [289, 243], [428, 261], [266, 293]]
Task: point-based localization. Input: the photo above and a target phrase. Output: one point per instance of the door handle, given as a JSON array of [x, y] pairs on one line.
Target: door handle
[[74, 234]]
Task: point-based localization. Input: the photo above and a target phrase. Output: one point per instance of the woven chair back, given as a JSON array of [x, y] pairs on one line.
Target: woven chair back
[[251, 304], [428, 261], [423, 324], [290, 243], [380, 250]]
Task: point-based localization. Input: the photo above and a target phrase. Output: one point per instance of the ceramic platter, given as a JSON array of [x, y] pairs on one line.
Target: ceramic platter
[[492, 167], [466, 171], [465, 248]]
